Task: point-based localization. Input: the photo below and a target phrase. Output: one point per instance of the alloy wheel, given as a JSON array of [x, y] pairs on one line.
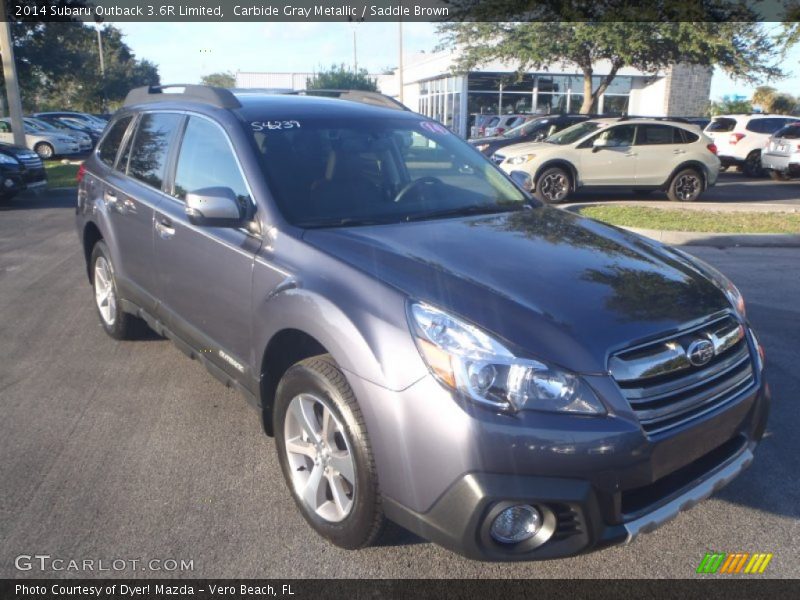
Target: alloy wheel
[[104, 293], [554, 187], [319, 456], [687, 187]]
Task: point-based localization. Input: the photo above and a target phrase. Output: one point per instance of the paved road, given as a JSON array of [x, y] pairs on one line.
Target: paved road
[[131, 451], [731, 187]]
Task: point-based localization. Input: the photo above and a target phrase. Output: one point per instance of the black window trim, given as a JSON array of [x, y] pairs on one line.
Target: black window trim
[[641, 126]]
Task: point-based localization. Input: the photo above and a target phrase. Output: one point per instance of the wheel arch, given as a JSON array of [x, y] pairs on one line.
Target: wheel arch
[[689, 164], [91, 235], [563, 163]]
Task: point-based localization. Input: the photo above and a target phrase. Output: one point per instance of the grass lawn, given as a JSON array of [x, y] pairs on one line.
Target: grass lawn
[[60, 175], [695, 220]]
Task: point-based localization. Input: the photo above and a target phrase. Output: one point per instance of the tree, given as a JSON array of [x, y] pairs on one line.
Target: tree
[[225, 79], [729, 105], [742, 49], [339, 77], [781, 104], [762, 96]]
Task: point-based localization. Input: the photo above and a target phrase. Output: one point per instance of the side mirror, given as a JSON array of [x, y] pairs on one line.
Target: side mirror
[[598, 144], [214, 207], [522, 179]]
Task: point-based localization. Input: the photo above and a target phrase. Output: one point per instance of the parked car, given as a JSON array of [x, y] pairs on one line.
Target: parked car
[[741, 138], [500, 124], [44, 143], [426, 342], [84, 119], [643, 154], [478, 124], [72, 126], [84, 139], [20, 169], [534, 130], [781, 156]]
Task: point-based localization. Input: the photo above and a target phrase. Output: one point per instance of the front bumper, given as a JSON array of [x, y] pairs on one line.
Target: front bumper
[[603, 481]]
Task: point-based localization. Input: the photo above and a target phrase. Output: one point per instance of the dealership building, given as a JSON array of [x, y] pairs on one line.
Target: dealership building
[[430, 87]]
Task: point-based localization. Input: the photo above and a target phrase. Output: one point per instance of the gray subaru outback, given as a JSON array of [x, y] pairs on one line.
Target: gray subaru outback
[[426, 342]]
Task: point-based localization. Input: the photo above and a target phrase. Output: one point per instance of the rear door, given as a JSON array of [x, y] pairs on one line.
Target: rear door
[[205, 273], [131, 191], [659, 149], [614, 163]]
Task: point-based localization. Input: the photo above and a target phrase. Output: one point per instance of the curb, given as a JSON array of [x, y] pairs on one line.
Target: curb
[[699, 238]]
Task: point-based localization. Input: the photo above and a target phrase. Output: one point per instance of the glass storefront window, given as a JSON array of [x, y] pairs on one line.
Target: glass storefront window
[[551, 103]]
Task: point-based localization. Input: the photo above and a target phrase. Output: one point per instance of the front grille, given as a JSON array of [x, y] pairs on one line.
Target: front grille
[[498, 158], [31, 162], [665, 389]]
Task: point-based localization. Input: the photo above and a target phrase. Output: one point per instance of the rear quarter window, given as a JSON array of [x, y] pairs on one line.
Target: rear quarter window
[[722, 125], [107, 152], [790, 132]]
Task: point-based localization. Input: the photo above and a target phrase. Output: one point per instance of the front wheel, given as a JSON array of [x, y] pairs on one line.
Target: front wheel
[[553, 186], [325, 454], [686, 186], [779, 176], [44, 150]]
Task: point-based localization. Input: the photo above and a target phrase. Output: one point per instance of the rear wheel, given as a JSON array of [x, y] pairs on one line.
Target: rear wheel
[[116, 322], [325, 453], [686, 186], [752, 165], [553, 186], [44, 150]]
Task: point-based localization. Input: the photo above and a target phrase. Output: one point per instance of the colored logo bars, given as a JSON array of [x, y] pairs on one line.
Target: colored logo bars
[[738, 562]]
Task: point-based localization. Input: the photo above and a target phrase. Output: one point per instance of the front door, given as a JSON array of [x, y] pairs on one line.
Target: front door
[[612, 164], [205, 273]]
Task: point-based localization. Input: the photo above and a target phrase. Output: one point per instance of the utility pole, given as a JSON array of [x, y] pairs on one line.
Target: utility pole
[[102, 66], [12, 84], [400, 58], [355, 54]]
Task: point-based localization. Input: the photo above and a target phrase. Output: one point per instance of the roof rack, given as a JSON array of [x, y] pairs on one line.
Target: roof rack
[[631, 117], [373, 98], [214, 96]]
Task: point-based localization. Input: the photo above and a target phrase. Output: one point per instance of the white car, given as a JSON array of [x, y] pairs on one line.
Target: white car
[[740, 139], [638, 153], [502, 123], [34, 125], [44, 143]]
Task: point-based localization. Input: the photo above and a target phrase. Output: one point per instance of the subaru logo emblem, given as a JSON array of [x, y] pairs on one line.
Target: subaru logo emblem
[[700, 352]]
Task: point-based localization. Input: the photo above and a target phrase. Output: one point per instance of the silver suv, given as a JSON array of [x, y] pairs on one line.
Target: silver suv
[[426, 342], [643, 154]]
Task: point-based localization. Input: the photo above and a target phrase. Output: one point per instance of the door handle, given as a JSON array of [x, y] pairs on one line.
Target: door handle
[[164, 227], [679, 151]]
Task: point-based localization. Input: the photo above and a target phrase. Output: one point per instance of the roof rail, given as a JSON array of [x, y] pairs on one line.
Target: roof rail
[[205, 94], [631, 117], [373, 98]]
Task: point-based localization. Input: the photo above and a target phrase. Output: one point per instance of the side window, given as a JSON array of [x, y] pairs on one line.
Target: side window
[[151, 147], [651, 135], [5, 127], [619, 136], [688, 136], [206, 160], [107, 152]]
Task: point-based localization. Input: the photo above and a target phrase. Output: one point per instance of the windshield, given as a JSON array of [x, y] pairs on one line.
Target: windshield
[[326, 172], [40, 124], [574, 133], [525, 129]]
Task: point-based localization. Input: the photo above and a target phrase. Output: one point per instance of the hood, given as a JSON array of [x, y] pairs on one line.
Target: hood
[[529, 148], [551, 284], [486, 140]]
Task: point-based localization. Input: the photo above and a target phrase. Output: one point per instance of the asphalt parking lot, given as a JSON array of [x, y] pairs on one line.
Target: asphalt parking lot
[[132, 451]]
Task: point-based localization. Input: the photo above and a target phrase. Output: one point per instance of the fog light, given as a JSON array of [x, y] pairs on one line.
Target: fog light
[[9, 183], [516, 524]]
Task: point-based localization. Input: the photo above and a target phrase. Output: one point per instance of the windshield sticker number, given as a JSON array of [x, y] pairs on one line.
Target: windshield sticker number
[[262, 125], [436, 128]]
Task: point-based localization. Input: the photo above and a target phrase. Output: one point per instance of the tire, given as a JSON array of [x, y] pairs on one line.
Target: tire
[[44, 150], [752, 165], [553, 186], [306, 392], [686, 186], [116, 322], [779, 176]]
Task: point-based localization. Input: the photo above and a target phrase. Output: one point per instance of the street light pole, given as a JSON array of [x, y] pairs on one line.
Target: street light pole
[[400, 58], [102, 66], [12, 84]]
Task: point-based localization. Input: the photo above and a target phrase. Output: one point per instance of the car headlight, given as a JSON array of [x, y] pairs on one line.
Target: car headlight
[[481, 147], [521, 159], [472, 362], [733, 294], [7, 160]]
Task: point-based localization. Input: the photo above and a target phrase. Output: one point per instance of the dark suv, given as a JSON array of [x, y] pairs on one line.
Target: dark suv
[[426, 342], [531, 131]]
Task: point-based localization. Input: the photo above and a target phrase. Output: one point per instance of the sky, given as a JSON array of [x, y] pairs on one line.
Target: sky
[[184, 52]]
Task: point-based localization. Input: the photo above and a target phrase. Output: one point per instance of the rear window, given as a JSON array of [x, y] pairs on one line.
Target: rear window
[[107, 152], [721, 125], [768, 125], [790, 132]]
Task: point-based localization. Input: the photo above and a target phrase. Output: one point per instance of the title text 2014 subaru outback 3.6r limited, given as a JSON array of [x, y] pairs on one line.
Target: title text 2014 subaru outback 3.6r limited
[[428, 343]]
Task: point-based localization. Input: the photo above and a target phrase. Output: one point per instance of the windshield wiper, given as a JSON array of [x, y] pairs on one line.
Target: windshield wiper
[[346, 222], [464, 211]]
